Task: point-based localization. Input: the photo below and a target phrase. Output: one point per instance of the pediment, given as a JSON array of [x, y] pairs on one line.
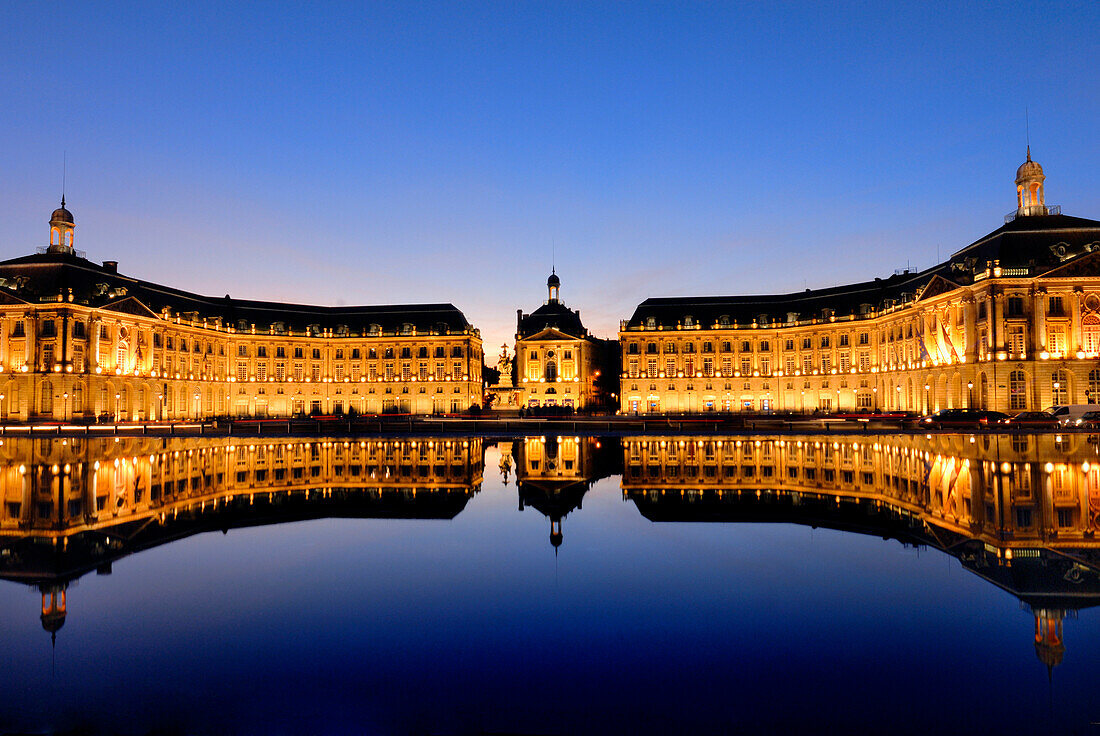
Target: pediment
[[7, 298], [1084, 265], [131, 305], [938, 285], [550, 333]]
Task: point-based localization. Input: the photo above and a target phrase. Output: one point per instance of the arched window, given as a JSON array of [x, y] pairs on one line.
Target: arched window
[[1059, 387], [1090, 333], [55, 236], [551, 371], [1017, 391], [1092, 395]]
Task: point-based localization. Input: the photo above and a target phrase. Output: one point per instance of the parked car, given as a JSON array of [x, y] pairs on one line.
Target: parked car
[[962, 418], [1070, 413], [1032, 419], [1089, 420]]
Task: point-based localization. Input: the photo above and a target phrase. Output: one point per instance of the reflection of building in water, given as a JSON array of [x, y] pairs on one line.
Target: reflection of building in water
[[1020, 511], [75, 505], [554, 473]]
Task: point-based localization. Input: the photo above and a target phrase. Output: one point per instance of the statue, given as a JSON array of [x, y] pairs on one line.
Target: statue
[[504, 365]]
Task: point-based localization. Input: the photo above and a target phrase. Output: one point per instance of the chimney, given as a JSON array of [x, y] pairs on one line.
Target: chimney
[[111, 266]]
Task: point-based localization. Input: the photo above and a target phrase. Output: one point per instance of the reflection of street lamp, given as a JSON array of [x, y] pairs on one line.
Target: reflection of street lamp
[[970, 393]]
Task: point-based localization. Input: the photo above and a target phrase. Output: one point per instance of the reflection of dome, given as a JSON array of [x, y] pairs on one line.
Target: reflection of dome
[[53, 621], [1050, 654], [555, 281]]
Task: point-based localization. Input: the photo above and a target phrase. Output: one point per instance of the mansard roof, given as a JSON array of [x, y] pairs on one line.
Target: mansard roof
[[40, 277], [1033, 242], [1026, 246], [552, 315]]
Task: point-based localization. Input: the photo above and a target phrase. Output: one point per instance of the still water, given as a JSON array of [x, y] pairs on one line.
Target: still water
[[551, 585]]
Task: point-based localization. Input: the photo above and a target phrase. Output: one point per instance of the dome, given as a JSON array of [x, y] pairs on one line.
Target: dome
[[553, 281], [62, 215], [1029, 169]]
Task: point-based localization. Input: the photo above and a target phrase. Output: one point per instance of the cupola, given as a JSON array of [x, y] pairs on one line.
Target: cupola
[[61, 230], [1029, 188]]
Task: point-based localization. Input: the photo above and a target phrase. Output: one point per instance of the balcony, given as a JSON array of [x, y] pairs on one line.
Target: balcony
[[1052, 209]]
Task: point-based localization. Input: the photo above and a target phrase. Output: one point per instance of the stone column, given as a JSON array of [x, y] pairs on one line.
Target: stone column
[[1073, 339], [997, 314], [1038, 322], [970, 326]]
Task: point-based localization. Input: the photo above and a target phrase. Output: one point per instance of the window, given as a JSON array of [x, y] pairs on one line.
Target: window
[[316, 353], [844, 341], [1093, 393], [1016, 339], [1056, 339], [298, 352], [280, 352], [261, 351], [1017, 390], [1055, 308], [1059, 387], [1090, 334], [242, 371], [1015, 306], [824, 341], [242, 350], [807, 343], [864, 338]]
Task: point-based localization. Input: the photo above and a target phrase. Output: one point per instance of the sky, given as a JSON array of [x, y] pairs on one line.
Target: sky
[[373, 153]]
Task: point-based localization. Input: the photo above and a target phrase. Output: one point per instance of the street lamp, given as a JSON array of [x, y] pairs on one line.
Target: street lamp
[[118, 406], [927, 404], [899, 397], [1057, 385], [970, 394], [874, 392]]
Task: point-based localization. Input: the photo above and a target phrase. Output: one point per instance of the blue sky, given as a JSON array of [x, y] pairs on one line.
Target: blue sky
[[417, 152]]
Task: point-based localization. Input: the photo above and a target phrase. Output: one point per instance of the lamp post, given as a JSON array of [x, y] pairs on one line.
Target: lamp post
[[160, 407], [874, 392], [970, 394], [64, 404], [118, 406], [803, 402], [927, 403], [1057, 385], [899, 397]]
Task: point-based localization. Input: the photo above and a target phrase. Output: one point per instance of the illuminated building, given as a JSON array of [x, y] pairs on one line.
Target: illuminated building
[[1010, 322], [79, 340], [558, 360]]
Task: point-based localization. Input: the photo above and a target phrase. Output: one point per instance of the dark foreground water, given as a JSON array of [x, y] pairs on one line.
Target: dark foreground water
[[551, 586]]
